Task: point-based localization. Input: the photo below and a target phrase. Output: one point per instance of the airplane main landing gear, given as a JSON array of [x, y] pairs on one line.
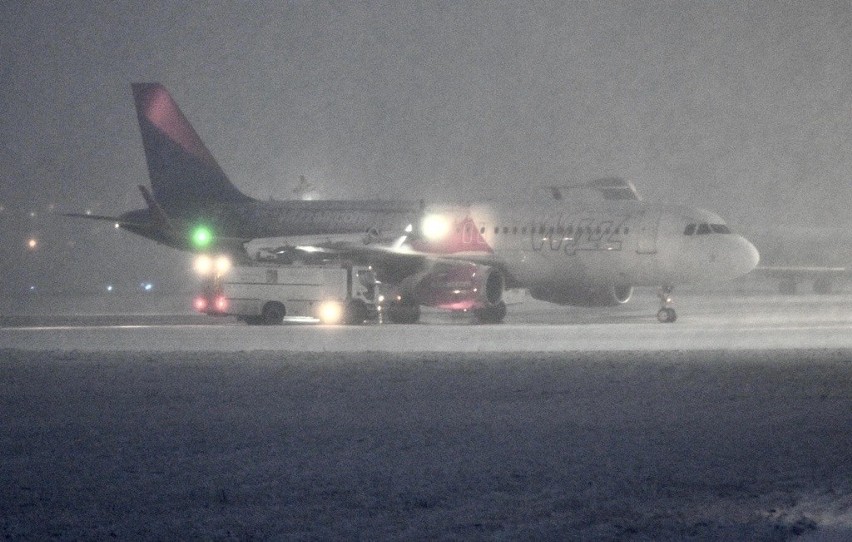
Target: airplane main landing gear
[[666, 314]]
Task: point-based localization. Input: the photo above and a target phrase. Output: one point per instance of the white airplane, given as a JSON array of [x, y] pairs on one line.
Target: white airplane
[[569, 251]]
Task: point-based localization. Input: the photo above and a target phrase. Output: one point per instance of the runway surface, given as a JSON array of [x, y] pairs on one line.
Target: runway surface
[[706, 321], [735, 423]]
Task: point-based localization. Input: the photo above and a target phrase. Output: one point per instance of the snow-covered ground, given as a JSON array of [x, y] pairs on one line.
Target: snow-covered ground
[[718, 445]]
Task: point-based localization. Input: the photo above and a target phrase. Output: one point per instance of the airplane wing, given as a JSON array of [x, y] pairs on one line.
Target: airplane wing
[[800, 271], [114, 219], [611, 189], [789, 277], [360, 249]]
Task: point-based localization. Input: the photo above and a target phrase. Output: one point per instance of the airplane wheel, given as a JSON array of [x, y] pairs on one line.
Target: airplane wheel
[[273, 314], [822, 286], [491, 315], [787, 287], [666, 315]]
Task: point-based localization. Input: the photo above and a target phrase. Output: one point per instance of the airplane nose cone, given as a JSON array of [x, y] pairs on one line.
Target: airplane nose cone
[[747, 256]]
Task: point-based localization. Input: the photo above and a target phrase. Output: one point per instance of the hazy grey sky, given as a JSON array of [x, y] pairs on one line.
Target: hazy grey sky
[[740, 107]]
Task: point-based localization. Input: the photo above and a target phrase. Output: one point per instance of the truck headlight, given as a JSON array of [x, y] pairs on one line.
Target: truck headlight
[[331, 312]]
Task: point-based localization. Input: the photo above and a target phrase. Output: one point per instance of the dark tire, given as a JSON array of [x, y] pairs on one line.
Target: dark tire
[[822, 286], [356, 312], [491, 315], [667, 315], [253, 320], [788, 287], [273, 313]]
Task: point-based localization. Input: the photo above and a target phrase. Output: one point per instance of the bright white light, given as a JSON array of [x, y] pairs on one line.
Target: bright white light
[[409, 228], [32, 243], [223, 265], [147, 286], [117, 225], [203, 264], [331, 312], [109, 287], [435, 227]]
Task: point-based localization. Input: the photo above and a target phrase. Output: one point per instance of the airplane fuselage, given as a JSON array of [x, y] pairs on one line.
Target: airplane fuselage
[[232, 224], [611, 243]]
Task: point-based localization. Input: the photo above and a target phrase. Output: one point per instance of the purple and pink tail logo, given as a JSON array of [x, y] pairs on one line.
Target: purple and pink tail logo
[[157, 106]]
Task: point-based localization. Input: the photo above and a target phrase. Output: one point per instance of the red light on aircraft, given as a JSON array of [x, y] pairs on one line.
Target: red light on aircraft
[[200, 304], [221, 303]]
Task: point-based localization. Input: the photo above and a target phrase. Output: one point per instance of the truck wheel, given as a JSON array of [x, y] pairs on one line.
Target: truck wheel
[[273, 313], [356, 312]]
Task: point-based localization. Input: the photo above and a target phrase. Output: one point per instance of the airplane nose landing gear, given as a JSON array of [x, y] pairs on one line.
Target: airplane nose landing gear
[[666, 314]]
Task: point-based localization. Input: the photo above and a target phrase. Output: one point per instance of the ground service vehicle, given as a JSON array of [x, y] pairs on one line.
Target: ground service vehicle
[[265, 294]]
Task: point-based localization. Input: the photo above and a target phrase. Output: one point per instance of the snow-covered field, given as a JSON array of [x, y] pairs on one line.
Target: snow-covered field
[[267, 445]]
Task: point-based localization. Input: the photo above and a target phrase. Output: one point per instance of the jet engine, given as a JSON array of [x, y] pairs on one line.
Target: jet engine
[[585, 296], [460, 286]]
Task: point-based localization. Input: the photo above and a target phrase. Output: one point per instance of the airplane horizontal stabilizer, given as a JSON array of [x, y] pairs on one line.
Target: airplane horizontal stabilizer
[[611, 189]]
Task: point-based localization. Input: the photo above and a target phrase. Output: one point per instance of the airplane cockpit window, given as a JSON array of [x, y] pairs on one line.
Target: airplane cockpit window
[[703, 229], [720, 228], [690, 229]]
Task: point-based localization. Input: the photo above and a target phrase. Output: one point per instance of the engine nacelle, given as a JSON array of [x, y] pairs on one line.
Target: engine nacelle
[[455, 287], [580, 296]]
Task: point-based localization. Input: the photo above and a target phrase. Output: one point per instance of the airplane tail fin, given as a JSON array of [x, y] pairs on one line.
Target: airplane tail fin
[[183, 172]]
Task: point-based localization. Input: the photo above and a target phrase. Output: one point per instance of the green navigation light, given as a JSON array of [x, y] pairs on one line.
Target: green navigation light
[[201, 237]]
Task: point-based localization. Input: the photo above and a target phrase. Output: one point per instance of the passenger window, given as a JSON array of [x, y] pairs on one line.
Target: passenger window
[[514, 230], [496, 229], [703, 229], [505, 229], [482, 229], [690, 229], [524, 230]]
